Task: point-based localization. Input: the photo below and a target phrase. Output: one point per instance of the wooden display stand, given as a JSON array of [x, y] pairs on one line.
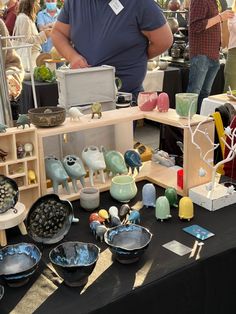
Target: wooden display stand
[[122, 120], [10, 219], [17, 168]]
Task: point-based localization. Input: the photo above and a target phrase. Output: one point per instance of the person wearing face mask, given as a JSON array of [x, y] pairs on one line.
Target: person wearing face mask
[[9, 14], [25, 25], [45, 19]]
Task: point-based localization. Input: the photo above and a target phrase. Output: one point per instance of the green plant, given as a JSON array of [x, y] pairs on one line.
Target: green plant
[[44, 74]]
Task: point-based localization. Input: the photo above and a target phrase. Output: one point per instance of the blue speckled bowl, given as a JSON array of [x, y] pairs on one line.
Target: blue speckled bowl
[[128, 242], [74, 261], [18, 262]]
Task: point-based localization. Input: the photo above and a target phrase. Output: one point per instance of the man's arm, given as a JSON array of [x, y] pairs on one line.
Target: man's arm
[[160, 40], [61, 40], [221, 17]]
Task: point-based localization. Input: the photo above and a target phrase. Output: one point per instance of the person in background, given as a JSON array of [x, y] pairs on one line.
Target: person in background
[[204, 45], [121, 34], [9, 15], [45, 19], [25, 25], [230, 66]]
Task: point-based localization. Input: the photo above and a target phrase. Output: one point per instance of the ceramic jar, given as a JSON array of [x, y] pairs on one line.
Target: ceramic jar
[[89, 198], [123, 188], [147, 101], [186, 103]]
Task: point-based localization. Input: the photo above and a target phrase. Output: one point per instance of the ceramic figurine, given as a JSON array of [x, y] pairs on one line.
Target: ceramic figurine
[[96, 217], [115, 221], [124, 211], [100, 231], [132, 160], [75, 114], [113, 211], [186, 208], [31, 177], [96, 109], [104, 214], [75, 169], [28, 149], [20, 151], [57, 173], [94, 159], [3, 154], [162, 208], [23, 120], [163, 103], [93, 224], [115, 162], [149, 195], [171, 195], [3, 128], [134, 217]]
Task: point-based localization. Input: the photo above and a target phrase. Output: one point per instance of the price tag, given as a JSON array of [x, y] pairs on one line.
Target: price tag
[[116, 6]]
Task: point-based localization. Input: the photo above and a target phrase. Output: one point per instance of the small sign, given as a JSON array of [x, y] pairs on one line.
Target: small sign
[[177, 248]]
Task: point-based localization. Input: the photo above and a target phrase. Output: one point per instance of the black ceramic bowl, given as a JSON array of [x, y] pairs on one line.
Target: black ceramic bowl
[[8, 193], [18, 262], [49, 219], [74, 261], [128, 242], [47, 116]]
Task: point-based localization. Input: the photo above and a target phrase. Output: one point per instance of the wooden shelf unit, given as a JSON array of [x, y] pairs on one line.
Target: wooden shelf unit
[[122, 120], [17, 168]]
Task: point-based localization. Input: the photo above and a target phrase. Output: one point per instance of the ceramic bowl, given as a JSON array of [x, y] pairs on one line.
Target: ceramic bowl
[[89, 198], [18, 262], [74, 261], [8, 193], [128, 242], [123, 188], [47, 116], [49, 219]]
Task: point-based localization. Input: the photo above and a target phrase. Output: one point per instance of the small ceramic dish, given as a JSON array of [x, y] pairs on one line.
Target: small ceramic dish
[[18, 262], [128, 242], [49, 219], [74, 261], [8, 193]]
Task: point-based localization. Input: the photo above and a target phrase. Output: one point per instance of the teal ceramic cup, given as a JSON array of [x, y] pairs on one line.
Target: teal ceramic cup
[[185, 103], [123, 188]]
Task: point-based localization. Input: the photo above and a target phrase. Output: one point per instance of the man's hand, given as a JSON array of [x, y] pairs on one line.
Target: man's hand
[[78, 61], [227, 14]]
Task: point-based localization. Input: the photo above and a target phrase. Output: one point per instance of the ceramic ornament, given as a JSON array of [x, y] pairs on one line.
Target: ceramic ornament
[[162, 211], [104, 214], [134, 217], [115, 221], [3, 128], [95, 161], [113, 211], [96, 217], [115, 162], [171, 195], [3, 154], [133, 160], [75, 114], [23, 120], [186, 210], [163, 102], [149, 195], [202, 172], [100, 231], [93, 224], [96, 110], [28, 149]]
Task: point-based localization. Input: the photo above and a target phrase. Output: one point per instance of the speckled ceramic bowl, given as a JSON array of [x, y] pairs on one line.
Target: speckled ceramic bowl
[[47, 116], [74, 261]]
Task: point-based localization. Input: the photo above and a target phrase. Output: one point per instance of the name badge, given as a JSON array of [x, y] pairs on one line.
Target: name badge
[[116, 6]]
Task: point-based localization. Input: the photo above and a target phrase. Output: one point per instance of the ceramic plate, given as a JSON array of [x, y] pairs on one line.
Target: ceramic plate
[[8, 193], [49, 219]]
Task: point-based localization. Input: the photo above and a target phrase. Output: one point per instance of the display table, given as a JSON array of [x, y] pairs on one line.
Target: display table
[[161, 282], [46, 94], [212, 102]]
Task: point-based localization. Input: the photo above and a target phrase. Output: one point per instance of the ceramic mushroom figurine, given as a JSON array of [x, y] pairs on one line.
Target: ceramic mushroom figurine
[[162, 208], [186, 208], [94, 159], [149, 195]]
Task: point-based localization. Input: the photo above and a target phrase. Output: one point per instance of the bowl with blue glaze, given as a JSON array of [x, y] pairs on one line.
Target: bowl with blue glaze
[[18, 263], [128, 242], [74, 261]]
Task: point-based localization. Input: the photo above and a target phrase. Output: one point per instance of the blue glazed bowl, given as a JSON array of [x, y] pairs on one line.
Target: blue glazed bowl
[[128, 242], [74, 261], [18, 262]]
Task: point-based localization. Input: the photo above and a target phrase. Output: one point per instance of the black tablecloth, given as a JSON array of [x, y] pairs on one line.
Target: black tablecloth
[[172, 83], [46, 95], [161, 282]]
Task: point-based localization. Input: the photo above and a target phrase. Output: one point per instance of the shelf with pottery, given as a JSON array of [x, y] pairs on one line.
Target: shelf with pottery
[[21, 166], [122, 120]]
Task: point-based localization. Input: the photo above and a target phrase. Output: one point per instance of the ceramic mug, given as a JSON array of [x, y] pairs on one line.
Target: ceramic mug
[[89, 198], [186, 103]]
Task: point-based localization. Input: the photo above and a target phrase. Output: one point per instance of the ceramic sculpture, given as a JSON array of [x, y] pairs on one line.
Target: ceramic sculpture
[[57, 173], [75, 114], [75, 169], [28, 149], [3, 128], [23, 120], [149, 195], [96, 110], [31, 177], [162, 208], [115, 162], [95, 161], [171, 195], [132, 160], [3, 154], [186, 210], [163, 103]]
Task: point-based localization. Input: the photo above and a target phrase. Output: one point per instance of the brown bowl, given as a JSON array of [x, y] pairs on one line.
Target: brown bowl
[[45, 117]]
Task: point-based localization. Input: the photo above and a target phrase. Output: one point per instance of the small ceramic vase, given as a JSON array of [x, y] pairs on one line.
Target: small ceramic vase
[[186, 104], [123, 188], [57, 173], [171, 195], [162, 208], [115, 162], [186, 210], [89, 198], [149, 195], [163, 103], [95, 161]]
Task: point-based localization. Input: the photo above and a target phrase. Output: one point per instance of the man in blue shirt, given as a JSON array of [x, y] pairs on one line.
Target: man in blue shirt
[[120, 33], [45, 19]]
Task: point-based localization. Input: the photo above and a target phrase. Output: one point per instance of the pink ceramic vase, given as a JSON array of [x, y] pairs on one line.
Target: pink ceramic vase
[[163, 102]]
